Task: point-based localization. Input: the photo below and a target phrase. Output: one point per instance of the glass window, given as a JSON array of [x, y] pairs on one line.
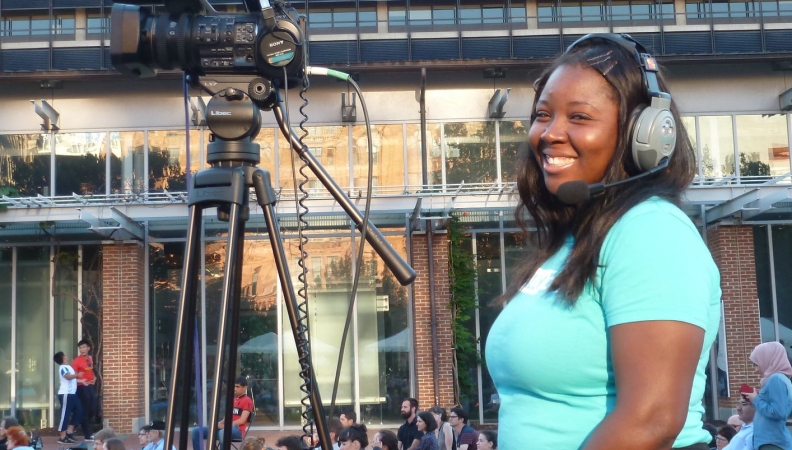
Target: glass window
[[420, 16], [444, 15], [785, 8], [266, 141], [167, 164], [39, 26], [66, 267], [689, 122], [330, 145], [492, 14], [368, 17], [782, 249], [96, 24], [470, 15], [34, 360], [571, 13], [763, 144], [414, 155], [6, 255], [517, 15], [717, 146], [80, 163], [321, 19], [26, 162], [126, 164], [397, 16], [387, 151], [344, 17], [470, 152], [490, 287], [513, 136]]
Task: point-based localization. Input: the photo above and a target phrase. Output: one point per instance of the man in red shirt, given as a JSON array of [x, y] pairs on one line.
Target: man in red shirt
[[240, 415], [86, 380]]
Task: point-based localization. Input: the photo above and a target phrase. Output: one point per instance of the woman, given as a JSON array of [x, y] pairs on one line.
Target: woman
[[488, 440], [444, 432], [773, 402], [113, 444], [426, 424], [724, 436], [610, 318], [354, 437], [386, 440], [17, 438]]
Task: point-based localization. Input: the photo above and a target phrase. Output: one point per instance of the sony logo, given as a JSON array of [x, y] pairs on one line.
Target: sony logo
[[220, 113], [275, 44]]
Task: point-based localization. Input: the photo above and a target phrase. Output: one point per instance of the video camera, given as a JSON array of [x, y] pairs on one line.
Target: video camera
[[269, 43]]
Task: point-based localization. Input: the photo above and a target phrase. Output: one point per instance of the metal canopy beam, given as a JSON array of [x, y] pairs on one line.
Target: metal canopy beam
[[129, 225], [766, 203], [733, 206]]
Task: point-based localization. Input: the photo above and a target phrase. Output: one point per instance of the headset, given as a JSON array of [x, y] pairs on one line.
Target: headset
[[652, 127]]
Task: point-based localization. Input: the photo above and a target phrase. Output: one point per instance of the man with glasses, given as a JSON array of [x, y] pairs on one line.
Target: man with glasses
[[143, 439], [156, 435], [466, 436], [744, 438]]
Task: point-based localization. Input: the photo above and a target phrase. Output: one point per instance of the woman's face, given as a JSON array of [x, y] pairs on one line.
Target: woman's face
[[350, 445], [437, 419], [483, 443], [377, 441], [421, 424], [576, 128]]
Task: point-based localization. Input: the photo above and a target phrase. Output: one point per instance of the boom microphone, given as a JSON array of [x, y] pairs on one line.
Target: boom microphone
[[578, 191]]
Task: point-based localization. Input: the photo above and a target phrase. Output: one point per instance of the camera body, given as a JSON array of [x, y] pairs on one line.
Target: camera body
[[269, 43]]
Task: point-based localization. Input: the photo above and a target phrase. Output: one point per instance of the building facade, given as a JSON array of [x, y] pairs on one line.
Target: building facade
[[94, 176]]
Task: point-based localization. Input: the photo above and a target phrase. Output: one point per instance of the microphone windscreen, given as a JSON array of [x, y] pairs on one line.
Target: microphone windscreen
[[573, 192]]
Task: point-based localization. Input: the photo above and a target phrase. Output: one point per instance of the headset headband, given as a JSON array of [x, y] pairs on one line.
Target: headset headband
[[645, 61]]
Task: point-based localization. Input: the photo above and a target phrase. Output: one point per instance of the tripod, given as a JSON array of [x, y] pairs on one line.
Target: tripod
[[233, 116]]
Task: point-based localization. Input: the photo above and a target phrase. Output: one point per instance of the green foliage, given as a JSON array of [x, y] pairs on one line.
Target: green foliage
[[751, 166], [462, 272], [7, 191]]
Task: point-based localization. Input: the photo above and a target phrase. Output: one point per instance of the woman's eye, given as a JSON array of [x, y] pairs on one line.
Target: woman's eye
[[542, 114], [580, 117]]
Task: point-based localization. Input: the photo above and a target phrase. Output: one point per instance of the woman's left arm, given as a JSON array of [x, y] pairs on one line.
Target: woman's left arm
[[654, 363], [773, 400]]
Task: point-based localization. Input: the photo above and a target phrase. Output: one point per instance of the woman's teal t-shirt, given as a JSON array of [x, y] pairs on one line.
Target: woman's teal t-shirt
[[550, 362]]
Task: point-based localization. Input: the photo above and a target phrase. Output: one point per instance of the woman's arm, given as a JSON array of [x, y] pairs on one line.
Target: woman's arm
[[773, 400], [448, 436], [654, 364]]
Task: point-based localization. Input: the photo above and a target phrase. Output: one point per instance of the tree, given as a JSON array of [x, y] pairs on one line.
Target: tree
[[752, 166]]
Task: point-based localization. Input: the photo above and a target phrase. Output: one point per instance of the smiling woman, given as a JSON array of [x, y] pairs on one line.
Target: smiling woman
[[614, 274]]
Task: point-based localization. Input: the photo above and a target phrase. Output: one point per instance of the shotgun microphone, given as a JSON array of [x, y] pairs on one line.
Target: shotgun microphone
[[578, 191]]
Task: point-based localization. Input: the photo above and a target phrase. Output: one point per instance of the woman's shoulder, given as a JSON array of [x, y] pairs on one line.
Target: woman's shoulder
[[656, 217]]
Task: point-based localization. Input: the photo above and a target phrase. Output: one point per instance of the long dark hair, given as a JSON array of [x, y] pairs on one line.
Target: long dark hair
[[591, 221]]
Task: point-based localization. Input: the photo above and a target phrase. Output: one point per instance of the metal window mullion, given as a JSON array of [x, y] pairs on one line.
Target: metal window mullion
[[502, 252], [410, 311], [355, 343], [498, 166], [443, 156], [204, 343], [351, 158], [147, 323], [14, 273], [108, 170], [52, 164], [699, 147], [773, 280], [405, 158], [80, 292], [477, 322], [52, 329], [144, 178]]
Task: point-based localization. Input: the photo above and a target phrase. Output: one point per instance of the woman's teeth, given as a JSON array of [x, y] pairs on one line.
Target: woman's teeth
[[559, 161]]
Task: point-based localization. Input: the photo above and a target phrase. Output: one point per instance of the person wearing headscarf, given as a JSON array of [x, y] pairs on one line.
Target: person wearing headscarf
[[773, 402]]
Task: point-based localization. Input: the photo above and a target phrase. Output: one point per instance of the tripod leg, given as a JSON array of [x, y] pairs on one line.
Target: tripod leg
[[266, 199], [235, 236], [182, 354]]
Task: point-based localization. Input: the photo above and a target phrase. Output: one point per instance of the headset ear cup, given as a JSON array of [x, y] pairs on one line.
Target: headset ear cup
[[653, 136], [631, 127]]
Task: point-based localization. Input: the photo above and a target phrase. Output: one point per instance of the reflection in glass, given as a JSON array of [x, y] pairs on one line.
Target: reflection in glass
[[80, 163], [689, 122], [490, 287], [763, 143], [126, 163], [717, 146], [764, 282], [5, 326], [34, 361], [414, 158], [387, 147], [166, 262], [25, 164], [470, 153], [330, 146], [266, 141], [782, 249], [66, 305], [167, 163], [513, 135]]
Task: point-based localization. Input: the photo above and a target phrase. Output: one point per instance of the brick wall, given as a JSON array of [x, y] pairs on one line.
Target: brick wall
[[425, 372], [732, 248], [123, 329]]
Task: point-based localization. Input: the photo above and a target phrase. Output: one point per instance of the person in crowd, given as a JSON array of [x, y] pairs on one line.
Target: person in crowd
[[334, 427], [466, 436], [101, 436], [385, 440], [71, 407], [735, 422], [289, 443], [744, 438], [427, 425], [113, 444], [143, 440], [408, 435], [5, 424], [488, 440], [86, 384], [156, 435], [444, 433], [243, 408], [713, 431], [724, 436], [594, 293], [773, 402], [251, 443], [354, 437], [17, 438], [348, 418]]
